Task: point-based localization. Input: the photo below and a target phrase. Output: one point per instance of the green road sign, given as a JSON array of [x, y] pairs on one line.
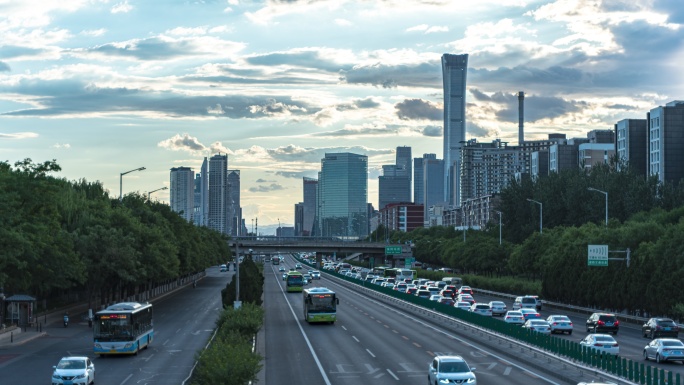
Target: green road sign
[[597, 255], [392, 250], [408, 262]]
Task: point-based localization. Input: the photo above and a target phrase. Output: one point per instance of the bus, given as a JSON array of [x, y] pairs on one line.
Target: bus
[[123, 328], [276, 260], [294, 281], [404, 274], [320, 305]]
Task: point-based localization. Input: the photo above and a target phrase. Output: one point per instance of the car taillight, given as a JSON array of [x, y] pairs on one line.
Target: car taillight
[[598, 345], [600, 322], [616, 323]]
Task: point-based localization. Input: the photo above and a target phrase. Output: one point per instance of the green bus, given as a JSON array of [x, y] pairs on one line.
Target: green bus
[[320, 305], [294, 281]]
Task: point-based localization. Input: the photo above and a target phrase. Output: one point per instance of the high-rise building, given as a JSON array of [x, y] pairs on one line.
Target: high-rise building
[[310, 186], [487, 168], [666, 141], [201, 196], [454, 69], [343, 195], [298, 219], [182, 193], [433, 185], [418, 197], [394, 185], [234, 208], [217, 218], [631, 147], [565, 154], [403, 162]]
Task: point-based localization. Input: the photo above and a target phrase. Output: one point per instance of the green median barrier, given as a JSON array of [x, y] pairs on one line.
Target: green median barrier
[[648, 376], [630, 370]]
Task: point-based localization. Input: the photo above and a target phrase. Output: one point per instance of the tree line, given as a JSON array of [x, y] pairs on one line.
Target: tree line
[[645, 216], [59, 237]]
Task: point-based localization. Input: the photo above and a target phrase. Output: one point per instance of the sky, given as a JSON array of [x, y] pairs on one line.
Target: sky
[[104, 87]]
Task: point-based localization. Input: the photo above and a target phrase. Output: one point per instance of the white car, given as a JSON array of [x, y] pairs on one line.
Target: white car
[[603, 342], [514, 317], [481, 309], [450, 370], [315, 274], [463, 305], [538, 325], [435, 297], [74, 370], [560, 324], [498, 307]]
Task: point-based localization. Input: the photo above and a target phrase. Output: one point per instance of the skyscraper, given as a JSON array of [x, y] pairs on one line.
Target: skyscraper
[[309, 205], [217, 218], [418, 197], [343, 195], [666, 141], [403, 162], [454, 68], [433, 184], [394, 186], [234, 209], [182, 193]]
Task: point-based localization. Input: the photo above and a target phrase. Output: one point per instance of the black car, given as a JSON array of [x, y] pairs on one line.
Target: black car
[[660, 327], [603, 322]]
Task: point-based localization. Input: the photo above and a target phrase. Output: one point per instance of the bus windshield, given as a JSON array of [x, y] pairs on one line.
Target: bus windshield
[[295, 280], [113, 328], [322, 304]]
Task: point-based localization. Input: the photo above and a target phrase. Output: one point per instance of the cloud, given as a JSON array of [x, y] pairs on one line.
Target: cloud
[[535, 107], [418, 109], [4, 67], [260, 180], [343, 22], [297, 174], [122, 7], [391, 76], [164, 48], [94, 32], [433, 131], [183, 142], [20, 52], [61, 146], [268, 188], [427, 29], [19, 135]]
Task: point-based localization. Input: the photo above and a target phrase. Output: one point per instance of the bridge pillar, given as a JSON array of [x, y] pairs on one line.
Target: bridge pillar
[[319, 260]]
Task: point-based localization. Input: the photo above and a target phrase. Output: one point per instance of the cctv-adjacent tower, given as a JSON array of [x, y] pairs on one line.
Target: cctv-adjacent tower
[[454, 68]]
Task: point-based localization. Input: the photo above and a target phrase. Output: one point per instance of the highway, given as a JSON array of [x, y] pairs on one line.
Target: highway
[[371, 343]]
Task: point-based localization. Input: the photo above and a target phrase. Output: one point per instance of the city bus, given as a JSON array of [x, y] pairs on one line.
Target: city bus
[[320, 305], [123, 328], [276, 260], [294, 281], [404, 274]]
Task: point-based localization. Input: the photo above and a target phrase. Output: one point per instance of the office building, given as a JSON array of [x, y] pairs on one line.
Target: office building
[[404, 216], [310, 186], [298, 219], [433, 186], [182, 192], [631, 144], [234, 208], [539, 164], [565, 154], [218, 218], [454, 70], [403, 163], [592, 154], [393, 186], [666, 142], [343, 195], [418, 197]]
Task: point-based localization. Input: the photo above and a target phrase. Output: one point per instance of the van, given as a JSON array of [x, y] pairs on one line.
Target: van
[[526, 302], [453, 281]]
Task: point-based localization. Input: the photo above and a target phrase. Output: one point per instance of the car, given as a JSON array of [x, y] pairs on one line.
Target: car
[[389, 285], [401, 286], [307, 278], [603, 322], [560, 324], [498, 307], [602, 342], [447, 293], [298, 266], [481, 309], [514, 317], [284, 276], [447, 301], [434, 289], [450, 370], [411, 290], [465, 290], [423, 293], [223, 268], [378, 281], [74, 370], [435, 297], [465, 305], [529, 314], [466, 298], [315, 274], [660, 327], [538, 325], [664, 349], [281, 269], [526, 301]]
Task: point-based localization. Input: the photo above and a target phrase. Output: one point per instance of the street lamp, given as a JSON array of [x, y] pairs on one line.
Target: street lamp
[[604, 193], [150, 192], [541, 209], [499, 212], [121, 181]]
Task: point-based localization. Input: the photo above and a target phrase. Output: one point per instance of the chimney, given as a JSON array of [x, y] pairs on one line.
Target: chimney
[[521, 118]]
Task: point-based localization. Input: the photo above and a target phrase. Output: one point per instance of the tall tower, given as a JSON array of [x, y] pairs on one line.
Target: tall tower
[[418, 197], [217, 218], [454, 68], [521, 118], [182, 192], [309, 205], [234, 209], [343, 195]]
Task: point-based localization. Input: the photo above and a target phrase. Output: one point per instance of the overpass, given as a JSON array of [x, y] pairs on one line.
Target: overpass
[[319, 245]]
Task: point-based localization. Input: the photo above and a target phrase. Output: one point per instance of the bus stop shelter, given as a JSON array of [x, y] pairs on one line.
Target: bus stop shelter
[[20, 309]]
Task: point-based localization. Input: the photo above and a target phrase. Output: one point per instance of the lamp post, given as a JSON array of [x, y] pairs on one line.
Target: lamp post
[[150, 192], [541, 209], [499, 212], [604, 193], [121, 181]]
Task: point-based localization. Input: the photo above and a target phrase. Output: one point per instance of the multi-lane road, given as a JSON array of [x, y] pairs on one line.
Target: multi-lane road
[[372, 342]]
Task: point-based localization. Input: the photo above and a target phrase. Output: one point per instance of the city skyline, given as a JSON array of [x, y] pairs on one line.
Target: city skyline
[[104, 87]]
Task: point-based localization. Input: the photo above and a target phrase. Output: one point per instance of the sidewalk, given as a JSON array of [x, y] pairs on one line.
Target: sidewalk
[[18, 337]]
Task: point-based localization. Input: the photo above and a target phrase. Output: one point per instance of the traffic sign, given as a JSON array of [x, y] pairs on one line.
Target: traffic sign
[[597, 255], [392, 250], [408, 262]]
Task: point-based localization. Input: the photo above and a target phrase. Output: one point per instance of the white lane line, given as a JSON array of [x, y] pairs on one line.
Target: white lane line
[[126, 379], [355, 339], [392, 374], [371, 353]]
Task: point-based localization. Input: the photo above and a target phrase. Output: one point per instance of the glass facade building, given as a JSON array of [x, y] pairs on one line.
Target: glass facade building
[[343, 196], [454, 68]]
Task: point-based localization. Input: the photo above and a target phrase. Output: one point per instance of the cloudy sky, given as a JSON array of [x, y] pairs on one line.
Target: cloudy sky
[[107, 86]]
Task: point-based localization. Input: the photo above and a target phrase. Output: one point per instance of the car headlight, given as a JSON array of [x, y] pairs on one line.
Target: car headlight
[[80, 376], [443, 381], [56, 376], [471, 380], [128, 345], [98, 346]]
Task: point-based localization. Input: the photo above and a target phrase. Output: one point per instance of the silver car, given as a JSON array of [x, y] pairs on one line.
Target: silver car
[[498, 307], [560, 324], [664, 349], [538, 325], [514, 317], [601, 342]]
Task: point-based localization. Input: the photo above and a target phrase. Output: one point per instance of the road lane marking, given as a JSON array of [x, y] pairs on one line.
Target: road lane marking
[[371, 353], [126, 379], [392, 374], [355, 339]]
